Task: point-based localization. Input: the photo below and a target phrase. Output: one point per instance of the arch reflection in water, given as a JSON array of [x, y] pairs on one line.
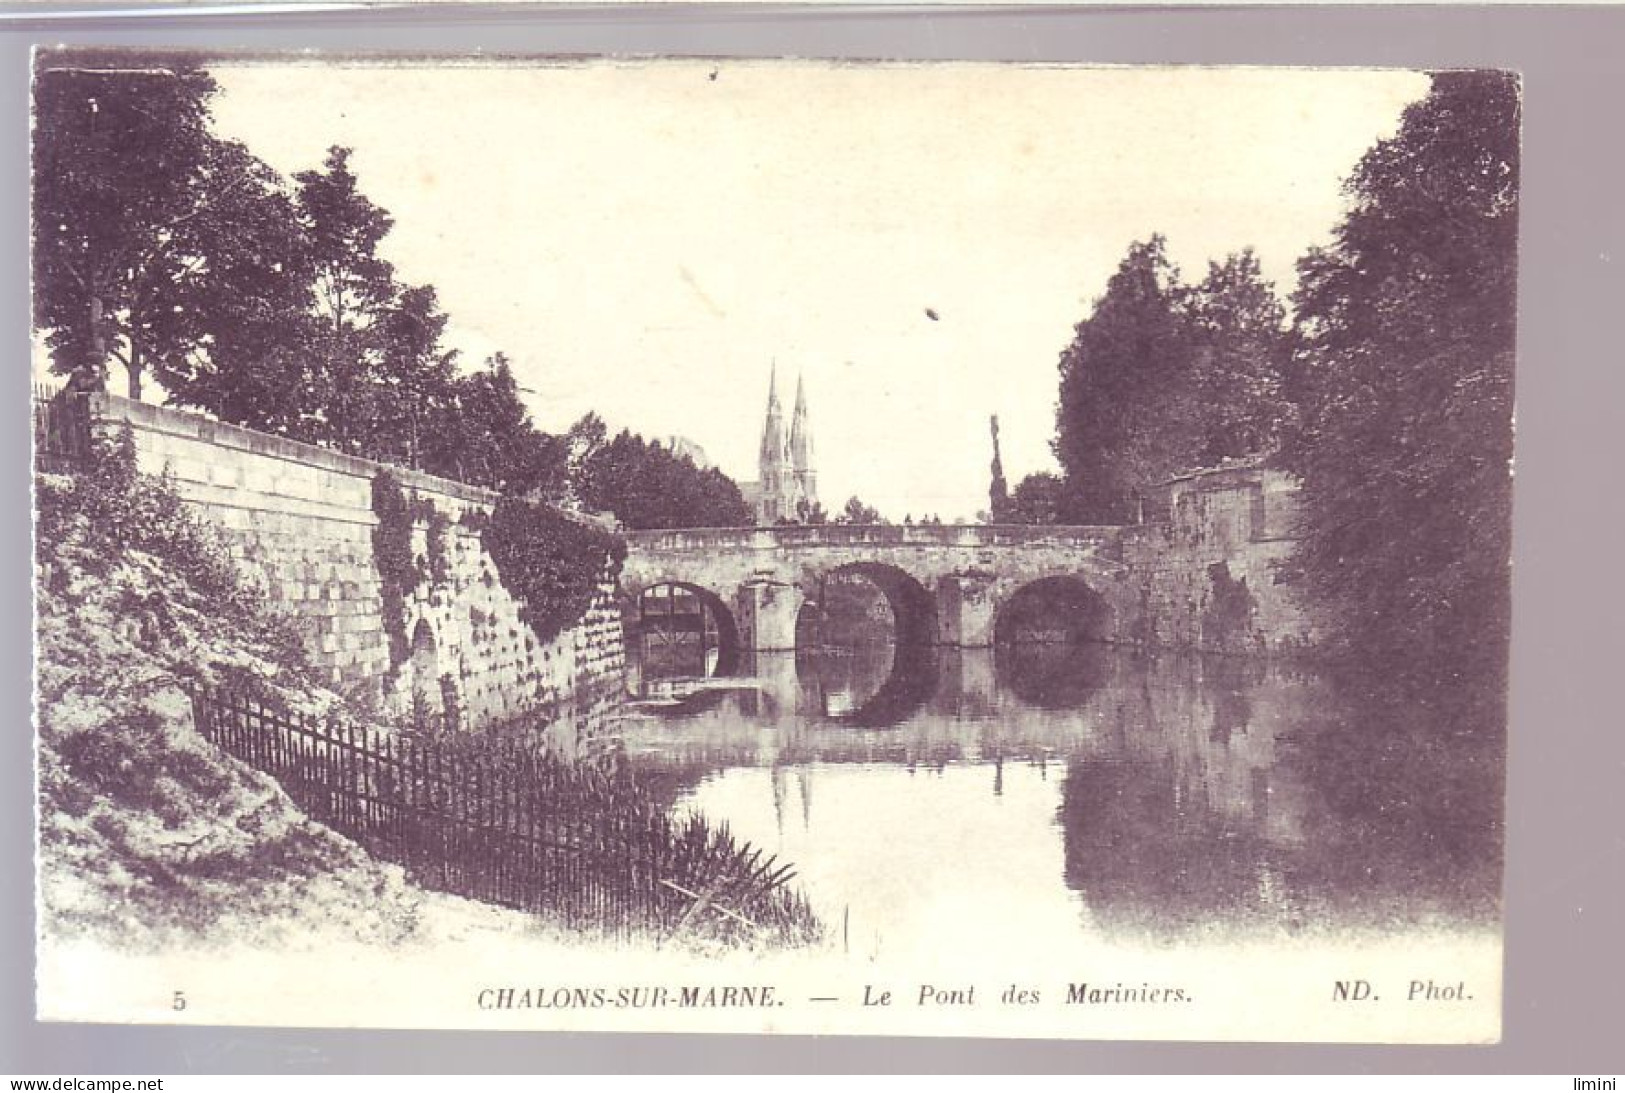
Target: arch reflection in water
[[1054, 677], [867, 688]]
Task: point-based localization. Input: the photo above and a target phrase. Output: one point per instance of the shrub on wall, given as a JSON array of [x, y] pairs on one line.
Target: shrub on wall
[[548, 562]]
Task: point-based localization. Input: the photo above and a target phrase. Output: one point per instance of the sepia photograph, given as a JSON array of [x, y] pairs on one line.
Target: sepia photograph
[[772, 546]]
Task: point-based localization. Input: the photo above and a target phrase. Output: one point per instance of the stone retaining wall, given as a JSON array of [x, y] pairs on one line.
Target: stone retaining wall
[[1209, 574], [300, 520]]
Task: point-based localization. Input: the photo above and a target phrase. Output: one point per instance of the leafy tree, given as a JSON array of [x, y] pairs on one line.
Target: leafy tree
[[1038, 499], [856, 512], [354, 289], [1403, 388], [583, 442], [1123, 406], [378, 382], [1163, 377], [1236, 328], [252, 366], [150, 236], [482, 434], [648, 486], [413, 384]]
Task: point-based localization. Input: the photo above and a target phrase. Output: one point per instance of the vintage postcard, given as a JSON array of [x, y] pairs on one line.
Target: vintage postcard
[[772, 546]]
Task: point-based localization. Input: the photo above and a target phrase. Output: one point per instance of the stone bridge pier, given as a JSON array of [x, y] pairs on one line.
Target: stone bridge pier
[[765, 613]]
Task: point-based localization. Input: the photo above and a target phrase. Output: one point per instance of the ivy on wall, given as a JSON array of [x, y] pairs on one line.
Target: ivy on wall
[[398, 570], [439, 554], [548, 562]]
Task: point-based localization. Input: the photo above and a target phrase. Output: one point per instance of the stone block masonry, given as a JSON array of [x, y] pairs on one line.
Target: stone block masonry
[[300, 521], [1209, 573]]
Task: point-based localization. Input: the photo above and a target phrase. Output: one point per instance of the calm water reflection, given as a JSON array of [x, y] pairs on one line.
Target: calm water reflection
[[946, 796]]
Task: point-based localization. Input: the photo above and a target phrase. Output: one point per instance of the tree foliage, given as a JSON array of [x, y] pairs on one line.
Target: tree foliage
[[1403, 388], [483, 434], [646, 485], [268, 303], [1235, 325], [856, 512], [149, 233], [1120, 387], [551, 563], [1162, 377], [1038, 499]]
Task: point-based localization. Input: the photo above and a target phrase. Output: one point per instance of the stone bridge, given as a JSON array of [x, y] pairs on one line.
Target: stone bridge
[[946, 585]]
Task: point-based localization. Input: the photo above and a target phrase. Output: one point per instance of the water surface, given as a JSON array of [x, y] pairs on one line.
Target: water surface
[[1052, 793]]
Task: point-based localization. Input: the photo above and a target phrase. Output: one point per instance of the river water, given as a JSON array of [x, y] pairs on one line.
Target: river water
[[1064, 792]]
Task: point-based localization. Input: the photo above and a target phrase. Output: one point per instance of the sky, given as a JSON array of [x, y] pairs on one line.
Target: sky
[[648, 239]]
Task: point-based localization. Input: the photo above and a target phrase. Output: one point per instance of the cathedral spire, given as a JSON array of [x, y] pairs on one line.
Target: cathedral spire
[[801, 454], [773, 440], [800, 432]]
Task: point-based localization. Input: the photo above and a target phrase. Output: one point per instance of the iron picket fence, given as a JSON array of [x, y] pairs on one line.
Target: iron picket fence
[[503, 822]]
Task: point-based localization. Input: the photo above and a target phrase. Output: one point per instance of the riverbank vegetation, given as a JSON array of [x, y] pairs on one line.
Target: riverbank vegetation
[[147, 833]]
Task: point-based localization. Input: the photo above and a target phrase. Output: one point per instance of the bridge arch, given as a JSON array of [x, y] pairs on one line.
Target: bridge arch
[[664, 609], [911, 674], [1056, 609], [913, 607]]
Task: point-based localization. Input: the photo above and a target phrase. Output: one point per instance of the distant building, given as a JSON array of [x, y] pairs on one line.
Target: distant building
[[788, 485]]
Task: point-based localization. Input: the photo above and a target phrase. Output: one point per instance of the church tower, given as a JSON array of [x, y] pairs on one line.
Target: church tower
[[773, 462], [787, 484], [805, 476]]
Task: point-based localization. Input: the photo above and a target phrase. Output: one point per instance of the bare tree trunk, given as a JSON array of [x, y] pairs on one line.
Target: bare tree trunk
[[135, 368], [91, 373]]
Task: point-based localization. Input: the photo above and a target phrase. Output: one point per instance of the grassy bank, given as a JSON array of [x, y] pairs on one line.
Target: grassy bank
[[148, 833], [152, 834]]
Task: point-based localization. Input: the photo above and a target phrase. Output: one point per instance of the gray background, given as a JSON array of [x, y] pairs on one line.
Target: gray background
[[1566, 780]]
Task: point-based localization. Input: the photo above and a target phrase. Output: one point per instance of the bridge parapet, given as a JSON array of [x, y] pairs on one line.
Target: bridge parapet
[[802, 536]]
